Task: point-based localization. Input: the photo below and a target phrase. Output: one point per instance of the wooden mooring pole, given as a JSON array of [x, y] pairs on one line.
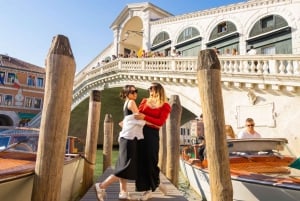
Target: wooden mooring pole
[[91, 139], [60, 71], [209, 84], [173, 140], [162, 155], [107, 141]]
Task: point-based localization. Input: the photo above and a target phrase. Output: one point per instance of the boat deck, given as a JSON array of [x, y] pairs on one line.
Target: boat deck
[[16, 163], [113, 191]]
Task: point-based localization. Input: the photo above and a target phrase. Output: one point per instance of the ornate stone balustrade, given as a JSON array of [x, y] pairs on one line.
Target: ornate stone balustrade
[[274, 71]]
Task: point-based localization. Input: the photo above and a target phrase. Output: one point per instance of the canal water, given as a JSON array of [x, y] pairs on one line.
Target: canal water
[[187, 191]]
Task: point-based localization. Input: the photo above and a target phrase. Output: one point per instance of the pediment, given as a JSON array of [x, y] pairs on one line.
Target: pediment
[[129, 11]]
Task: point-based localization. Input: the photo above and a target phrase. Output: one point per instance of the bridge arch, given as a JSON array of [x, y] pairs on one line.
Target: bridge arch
[[131, 36], [8, 118]]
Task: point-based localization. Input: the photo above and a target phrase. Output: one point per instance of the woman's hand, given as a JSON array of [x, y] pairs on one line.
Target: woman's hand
[[139, 116]]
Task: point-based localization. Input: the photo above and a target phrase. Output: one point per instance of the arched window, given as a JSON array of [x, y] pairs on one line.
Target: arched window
[[189, 42], [267, 24], [271, 35], [222, 29], [161, 37], [224, 37], [187, 34]]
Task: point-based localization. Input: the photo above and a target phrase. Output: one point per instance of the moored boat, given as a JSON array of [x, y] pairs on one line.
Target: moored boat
[[17, 165], [260, 171]]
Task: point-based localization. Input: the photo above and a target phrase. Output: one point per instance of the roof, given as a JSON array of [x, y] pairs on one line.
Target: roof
[[8, 61]]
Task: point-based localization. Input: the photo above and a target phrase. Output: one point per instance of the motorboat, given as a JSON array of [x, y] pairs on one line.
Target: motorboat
[[261, 170], [18, 149]]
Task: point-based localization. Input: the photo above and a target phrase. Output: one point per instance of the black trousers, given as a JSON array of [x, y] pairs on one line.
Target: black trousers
[[148, 170], [126, 165]]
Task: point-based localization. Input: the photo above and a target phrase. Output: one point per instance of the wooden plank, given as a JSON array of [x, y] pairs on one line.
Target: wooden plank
[[113, 191]]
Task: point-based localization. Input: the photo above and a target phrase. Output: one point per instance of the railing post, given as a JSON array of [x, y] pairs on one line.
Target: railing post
[[296, 67], [143, 64], [173, 65], [120, 64], [273, 68]]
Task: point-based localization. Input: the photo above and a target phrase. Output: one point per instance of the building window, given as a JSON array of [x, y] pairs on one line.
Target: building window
[[28, 102], [161, 37], [37, 103], [40, 82], [267, 22], [268, 50], [31, 80], [8, 100], [2, 77], [222, 27], [187, 34], [1, 99], [11, 78]]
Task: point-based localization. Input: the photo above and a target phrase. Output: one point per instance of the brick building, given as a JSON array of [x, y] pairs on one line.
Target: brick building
[[21, 91]]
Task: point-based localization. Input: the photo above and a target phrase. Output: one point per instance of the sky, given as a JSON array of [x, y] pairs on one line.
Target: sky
[[28, 26]]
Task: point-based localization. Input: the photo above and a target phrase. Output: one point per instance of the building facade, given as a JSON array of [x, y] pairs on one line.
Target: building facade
[[271, 27], [21, 91]]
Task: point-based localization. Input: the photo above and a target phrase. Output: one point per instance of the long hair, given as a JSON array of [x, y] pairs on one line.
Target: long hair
[[159, 94], [229, 131]]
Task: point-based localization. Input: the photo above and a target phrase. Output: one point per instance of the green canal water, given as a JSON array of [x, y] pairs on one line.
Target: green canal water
[[183, 184]]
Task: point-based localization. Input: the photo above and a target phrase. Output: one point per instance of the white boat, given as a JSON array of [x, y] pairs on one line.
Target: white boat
[[258, 171], [17, 163]]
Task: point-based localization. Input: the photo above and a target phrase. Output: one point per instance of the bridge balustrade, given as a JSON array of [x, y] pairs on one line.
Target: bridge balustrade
[[288, 65], [240, 70]]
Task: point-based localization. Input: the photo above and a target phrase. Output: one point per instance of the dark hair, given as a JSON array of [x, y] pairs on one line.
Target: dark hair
[[125, 91]]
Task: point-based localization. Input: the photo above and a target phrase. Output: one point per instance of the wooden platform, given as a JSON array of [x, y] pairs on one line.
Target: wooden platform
[[113, 191]]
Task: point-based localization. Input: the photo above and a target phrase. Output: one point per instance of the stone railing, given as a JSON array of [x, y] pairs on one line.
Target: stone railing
[[276, 72], [283, 66], [259, 64]]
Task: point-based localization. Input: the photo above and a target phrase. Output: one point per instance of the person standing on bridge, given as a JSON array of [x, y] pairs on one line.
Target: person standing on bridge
[[154, 110], [132, 132]]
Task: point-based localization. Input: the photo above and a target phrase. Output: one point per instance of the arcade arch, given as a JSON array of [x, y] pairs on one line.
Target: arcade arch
[[271, 34], [5, 120], [224, 37], [162, 43], [131, 37], [189, 42]]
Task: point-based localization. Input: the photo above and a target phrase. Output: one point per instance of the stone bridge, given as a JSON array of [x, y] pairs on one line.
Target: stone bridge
[[265, 88]]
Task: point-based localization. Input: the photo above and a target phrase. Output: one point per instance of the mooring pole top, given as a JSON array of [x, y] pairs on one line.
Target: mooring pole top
[[61, 45], [208, 60]]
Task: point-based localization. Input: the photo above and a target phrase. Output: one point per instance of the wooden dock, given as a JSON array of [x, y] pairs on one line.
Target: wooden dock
[[112, 191]]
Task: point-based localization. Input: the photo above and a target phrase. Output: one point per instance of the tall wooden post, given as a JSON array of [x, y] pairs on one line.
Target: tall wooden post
[[162, 149], [209, 79], [91, 139], [173, 140], [60, 71], [107, 141]]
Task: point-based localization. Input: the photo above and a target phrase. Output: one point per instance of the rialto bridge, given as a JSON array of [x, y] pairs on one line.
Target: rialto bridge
[[265, 88]]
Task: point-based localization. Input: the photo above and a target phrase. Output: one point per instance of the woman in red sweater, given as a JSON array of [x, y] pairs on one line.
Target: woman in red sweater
[[154, 110]]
